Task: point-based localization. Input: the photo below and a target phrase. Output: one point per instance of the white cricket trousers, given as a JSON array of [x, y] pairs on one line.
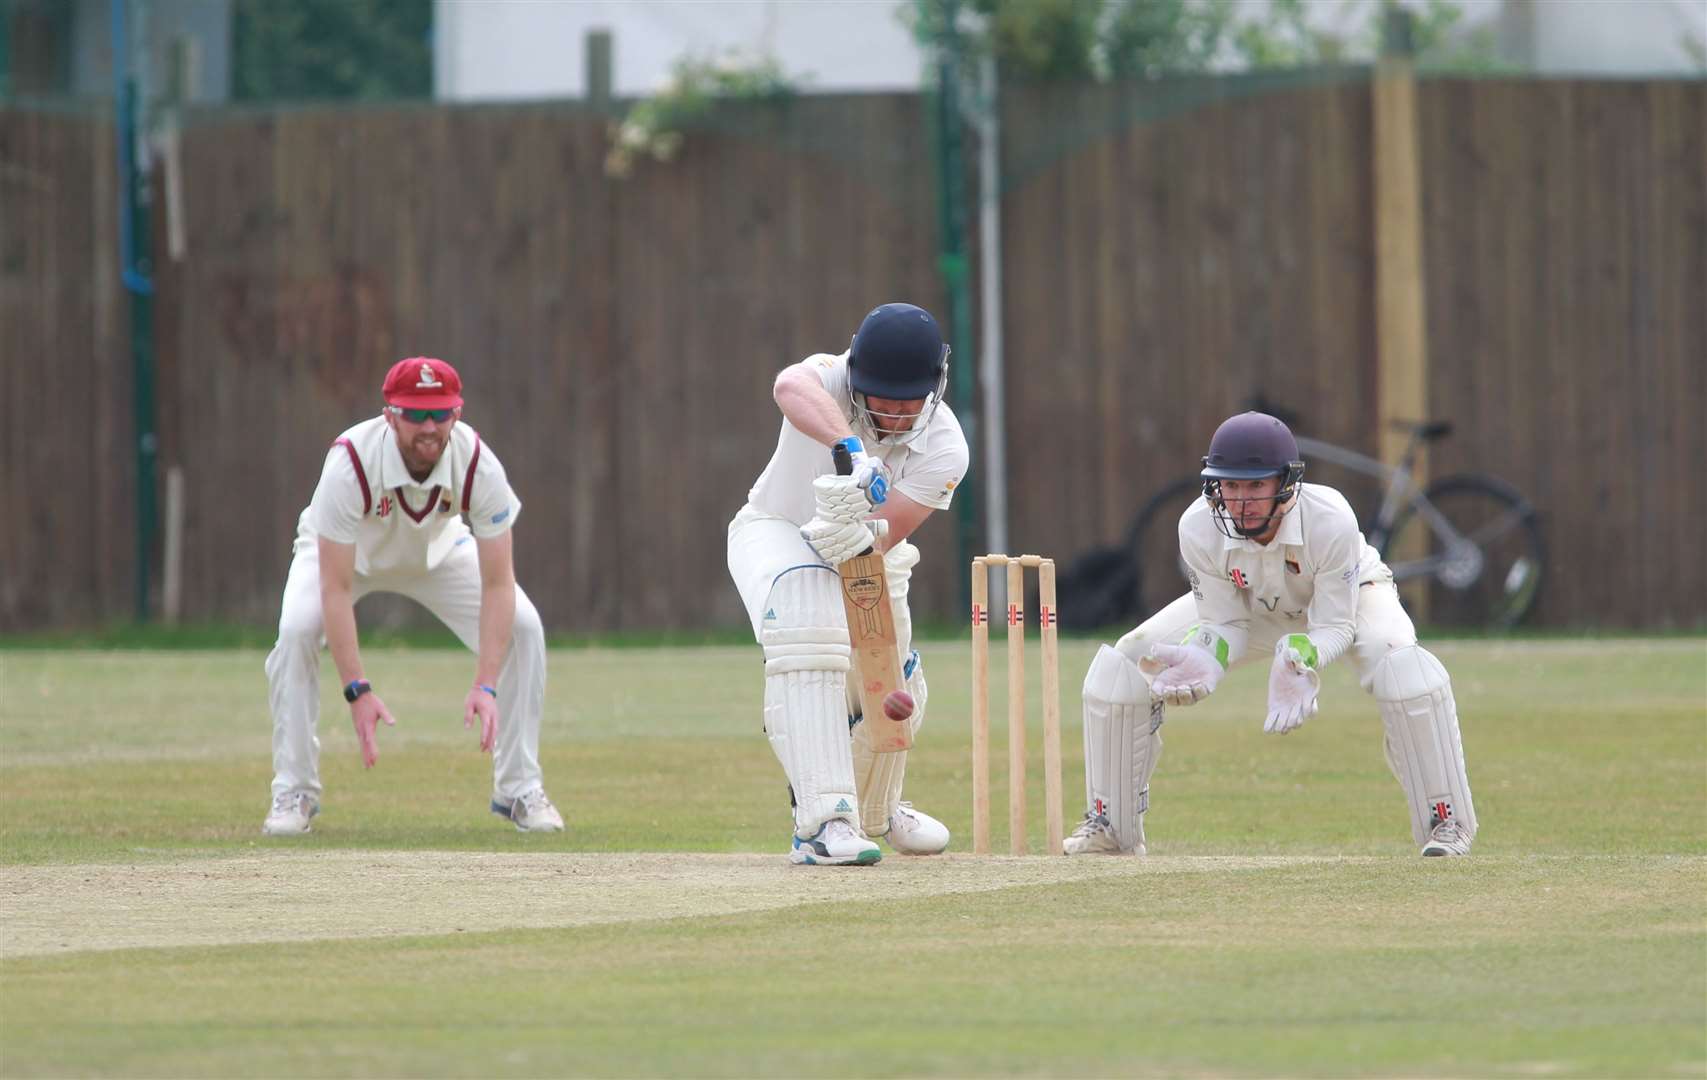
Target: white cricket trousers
[[452, 593]]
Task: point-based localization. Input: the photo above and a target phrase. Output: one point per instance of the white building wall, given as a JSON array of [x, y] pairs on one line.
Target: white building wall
[[502, 49], [1615, 37]]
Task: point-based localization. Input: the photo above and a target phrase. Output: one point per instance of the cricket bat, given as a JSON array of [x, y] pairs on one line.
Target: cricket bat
[[871, 632]]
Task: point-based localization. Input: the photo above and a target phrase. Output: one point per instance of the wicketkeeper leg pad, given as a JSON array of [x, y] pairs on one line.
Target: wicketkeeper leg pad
[[1123, 742], [806, 648], [879, 776], [1423, 745]]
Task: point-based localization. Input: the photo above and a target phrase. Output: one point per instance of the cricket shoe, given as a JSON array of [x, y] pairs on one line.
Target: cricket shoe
[[531, 811], [1095, 836], [913, 832], [836, 843], [1446, 838], [290, 813]]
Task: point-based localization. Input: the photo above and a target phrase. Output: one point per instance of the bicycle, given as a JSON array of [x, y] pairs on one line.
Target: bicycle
[[1471, 540]]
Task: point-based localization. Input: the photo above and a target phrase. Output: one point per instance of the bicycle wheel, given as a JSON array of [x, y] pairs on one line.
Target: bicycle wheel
[[1473, 545], [1153, 540]]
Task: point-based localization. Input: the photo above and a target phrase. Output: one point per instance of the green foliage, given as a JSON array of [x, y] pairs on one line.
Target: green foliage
[[1049, 39], [1282, 37], [1100, 39], [1695, 47], [1151, 38], [654, 126], [341, 50]]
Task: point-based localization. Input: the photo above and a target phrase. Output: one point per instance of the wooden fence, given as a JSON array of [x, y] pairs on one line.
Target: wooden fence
[[67, 470], [1566, 250], [1170, 250]]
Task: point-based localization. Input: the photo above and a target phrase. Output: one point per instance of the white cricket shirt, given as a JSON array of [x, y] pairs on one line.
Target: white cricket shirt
[[366, 497], [1309, 573], [926, 469]]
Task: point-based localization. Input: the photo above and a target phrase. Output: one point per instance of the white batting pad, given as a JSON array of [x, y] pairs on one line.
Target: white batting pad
[[1424, 749], [805, 638], [879, 776], [1122, 743]]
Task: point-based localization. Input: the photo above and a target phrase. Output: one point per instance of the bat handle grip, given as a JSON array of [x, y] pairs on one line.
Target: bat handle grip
[[844, 467]]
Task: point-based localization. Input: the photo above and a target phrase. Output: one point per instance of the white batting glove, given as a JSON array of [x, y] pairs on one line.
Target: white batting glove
[[1181, 674], [838, 541], [838, 498], [1292, 685]]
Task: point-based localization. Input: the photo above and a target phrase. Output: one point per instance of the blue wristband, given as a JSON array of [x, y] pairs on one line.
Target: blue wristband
[[490, 690]]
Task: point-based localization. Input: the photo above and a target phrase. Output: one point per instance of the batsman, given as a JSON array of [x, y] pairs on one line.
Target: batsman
[[1279, 570], [880, 402]]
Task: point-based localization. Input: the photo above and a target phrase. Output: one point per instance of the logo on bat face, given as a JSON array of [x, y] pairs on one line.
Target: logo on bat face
[[864, 592]]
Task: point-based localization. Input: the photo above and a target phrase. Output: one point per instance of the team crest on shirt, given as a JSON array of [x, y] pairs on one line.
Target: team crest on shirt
[[385, 506], [1239, 579]]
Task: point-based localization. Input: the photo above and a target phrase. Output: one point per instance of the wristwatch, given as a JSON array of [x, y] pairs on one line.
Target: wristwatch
[[356, 690]]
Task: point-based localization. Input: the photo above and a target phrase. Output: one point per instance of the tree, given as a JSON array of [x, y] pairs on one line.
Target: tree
[[1101, 39], [331, 49]]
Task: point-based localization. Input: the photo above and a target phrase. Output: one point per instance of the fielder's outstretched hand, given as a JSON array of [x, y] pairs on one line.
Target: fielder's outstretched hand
[[1292, 687], [367, 711], [1181, 674], [481, 704]]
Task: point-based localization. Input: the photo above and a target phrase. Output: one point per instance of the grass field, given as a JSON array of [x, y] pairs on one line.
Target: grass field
[[1282, 925]]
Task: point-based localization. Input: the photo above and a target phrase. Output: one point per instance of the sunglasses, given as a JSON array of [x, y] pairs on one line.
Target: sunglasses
[[421, 416]]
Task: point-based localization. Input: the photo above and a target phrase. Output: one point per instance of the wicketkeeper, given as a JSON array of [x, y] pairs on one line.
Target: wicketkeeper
[[882, 399], [1278, 569], [388, 517]]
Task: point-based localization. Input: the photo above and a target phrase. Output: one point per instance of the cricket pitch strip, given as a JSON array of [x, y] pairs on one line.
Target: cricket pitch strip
[[60, 909]]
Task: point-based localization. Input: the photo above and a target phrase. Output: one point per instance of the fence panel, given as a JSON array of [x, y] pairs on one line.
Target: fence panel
[[1566, 250], [67, 452]]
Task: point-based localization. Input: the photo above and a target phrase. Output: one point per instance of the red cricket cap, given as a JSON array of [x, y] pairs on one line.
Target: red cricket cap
[[422, 382]]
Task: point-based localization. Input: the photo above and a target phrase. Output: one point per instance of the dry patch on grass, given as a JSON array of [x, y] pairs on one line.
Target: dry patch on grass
[[295, 896]]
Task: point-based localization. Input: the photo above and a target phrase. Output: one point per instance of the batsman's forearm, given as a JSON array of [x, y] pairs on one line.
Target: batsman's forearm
[[809, 407], [497, 621], [338, 610]]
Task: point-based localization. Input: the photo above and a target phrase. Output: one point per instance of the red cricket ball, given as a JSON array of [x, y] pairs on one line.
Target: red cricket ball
[[898, 705]]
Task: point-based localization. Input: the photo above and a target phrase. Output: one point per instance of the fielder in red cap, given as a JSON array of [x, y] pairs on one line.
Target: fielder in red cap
[[410, 502]]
